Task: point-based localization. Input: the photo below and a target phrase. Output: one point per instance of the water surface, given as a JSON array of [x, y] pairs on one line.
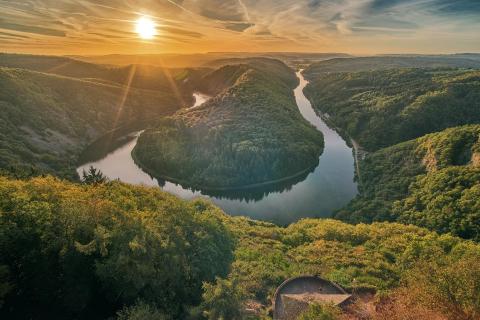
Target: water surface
[[315, 194], [200, 99]]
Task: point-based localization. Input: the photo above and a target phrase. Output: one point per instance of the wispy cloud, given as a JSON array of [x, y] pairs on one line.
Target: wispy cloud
[[209, 25]]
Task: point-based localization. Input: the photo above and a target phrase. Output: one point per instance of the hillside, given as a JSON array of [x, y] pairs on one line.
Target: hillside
[[250, 133], [432, 181], [272, 67], [201, 59], [138, 76], [382, 108], [375, 63], [46, 120], [89, 251], [227, 71], [218, 80]]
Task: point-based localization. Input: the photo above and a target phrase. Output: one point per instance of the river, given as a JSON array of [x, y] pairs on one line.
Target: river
[[317, 193]]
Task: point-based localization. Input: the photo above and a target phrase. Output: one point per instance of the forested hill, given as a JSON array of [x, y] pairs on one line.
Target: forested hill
[[202, 59], [138, 76], [433, 181], [385, 107], [46, 120], [272, 67], [251, 132], [357, 64], [115, 251], [228, 71]]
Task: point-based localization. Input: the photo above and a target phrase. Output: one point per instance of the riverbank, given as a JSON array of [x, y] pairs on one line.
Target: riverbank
[[357, 151]]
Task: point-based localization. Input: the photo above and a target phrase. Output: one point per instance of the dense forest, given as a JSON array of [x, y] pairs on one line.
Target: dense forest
[[47, 120], [72, 251], [53, 107], [113, 250], [382, 108], [408, 244], [169, 80], [385, 62], [432, 181], [249, 133], [205, 59]]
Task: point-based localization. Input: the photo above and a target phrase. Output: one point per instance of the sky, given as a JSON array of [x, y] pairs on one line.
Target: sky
[[188, 26]]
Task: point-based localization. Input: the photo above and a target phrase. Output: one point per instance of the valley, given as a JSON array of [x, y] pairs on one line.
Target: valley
[[383, 110], [54, 107], [332, 179], [219, 180], [240, 160]]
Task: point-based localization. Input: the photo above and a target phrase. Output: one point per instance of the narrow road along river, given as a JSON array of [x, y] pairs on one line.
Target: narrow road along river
[[330, 186]]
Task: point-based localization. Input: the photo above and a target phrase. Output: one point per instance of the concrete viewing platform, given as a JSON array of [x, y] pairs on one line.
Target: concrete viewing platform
[[295, 295]]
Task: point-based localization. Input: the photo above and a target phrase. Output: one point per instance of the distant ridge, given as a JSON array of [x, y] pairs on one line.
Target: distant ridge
[[357, 64]]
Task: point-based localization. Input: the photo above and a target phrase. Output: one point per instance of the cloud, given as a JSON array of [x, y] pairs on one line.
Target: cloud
[[207, 25], [239, 27], [13, 35], [31, 29], [223, 10], [182, 32], [468, 7]]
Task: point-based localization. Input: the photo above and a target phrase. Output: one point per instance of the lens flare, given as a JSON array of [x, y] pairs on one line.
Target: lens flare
[[146, 28]]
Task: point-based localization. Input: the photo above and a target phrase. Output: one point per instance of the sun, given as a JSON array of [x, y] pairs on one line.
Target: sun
[[146, 28]]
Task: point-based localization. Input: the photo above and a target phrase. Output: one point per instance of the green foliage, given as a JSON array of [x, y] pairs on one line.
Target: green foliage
[[320, 312], [5, 285], [137, 76], [450, 285], [272, 66], [222, 300], [95, 251], [93, 176], [382, 108], [355, 256], [375, 63], [89, 250], [141, 311], [252, 132], [47, 120], [447, 200], [385, 177], [432, 182]]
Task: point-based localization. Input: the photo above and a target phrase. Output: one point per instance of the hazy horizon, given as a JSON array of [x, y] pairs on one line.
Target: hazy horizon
[[241, 53]]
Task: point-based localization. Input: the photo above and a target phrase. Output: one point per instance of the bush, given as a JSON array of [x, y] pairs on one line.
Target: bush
[[223, 300], [448, 285], [321, 312]]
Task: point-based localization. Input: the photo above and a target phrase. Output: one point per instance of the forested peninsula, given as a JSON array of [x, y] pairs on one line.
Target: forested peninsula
[[250, 132]]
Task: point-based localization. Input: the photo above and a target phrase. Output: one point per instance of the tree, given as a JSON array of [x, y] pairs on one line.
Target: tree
[[222, 300], [91, 250], [93, 176], [141, 311], [449, 285], [320, 312]]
